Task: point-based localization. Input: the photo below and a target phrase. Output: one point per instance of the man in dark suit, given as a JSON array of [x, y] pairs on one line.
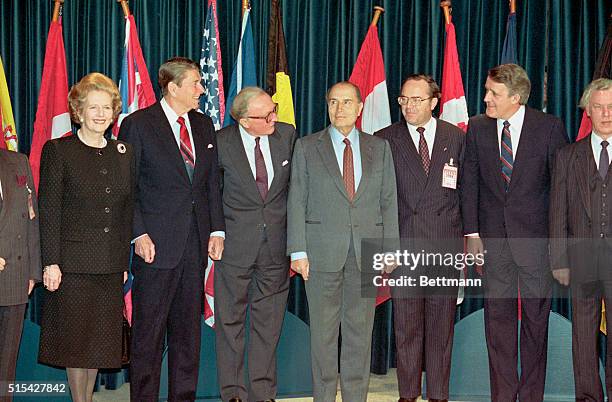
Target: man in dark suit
[[20, 265], [423, 148], [581, 232], [178, 220], [254, 160], [505, 196], [342, 191]]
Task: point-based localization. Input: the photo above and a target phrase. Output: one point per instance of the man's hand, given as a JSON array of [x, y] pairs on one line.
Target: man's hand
[[145, 248], [31, 284], [215, 247], [302, 267], [474, 247], [2, 263], [52, 277], [562, 276]]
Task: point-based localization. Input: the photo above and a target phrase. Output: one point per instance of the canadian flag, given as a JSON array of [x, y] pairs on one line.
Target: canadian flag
[[52, 117], [369, 75], [453, 107]]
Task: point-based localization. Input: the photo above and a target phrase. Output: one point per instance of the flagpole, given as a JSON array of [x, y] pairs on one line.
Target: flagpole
[[125, 7], [446, 7], [512, 6], [378, 10], [245, 6], [56, 9]]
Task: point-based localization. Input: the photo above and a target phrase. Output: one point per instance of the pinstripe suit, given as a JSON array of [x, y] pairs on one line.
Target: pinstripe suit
[[424, 326], [20, 247], [580, 240]]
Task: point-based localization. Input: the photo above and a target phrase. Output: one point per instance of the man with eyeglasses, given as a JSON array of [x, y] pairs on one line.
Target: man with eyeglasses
[[342, 191], [424, 149], [253, 274]]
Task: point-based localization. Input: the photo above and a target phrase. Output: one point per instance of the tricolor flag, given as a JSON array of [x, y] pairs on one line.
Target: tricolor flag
[[279, 83], [8, 140], [603, 69], [135, 85], [453, 107], [136, 93], [212, 103], [369, 75], [52, 117], [508, 54], [244, 74]]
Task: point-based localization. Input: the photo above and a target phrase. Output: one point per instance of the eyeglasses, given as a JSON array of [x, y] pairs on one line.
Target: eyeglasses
[[268, 118], [414, 100]]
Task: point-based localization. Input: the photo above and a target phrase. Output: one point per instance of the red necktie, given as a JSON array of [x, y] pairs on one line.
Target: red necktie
[[423, 150], [186, 149], [348, 174], [261, 174]]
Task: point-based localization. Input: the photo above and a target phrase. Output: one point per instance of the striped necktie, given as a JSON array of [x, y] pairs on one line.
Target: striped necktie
[[507, 161], [186, 149], [348, 170]]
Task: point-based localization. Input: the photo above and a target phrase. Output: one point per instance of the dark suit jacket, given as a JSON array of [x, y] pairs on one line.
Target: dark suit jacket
[[571, 216], [426, 209], [165, 197], [522, 211], [19, 237], [247, 217], [86, 198]]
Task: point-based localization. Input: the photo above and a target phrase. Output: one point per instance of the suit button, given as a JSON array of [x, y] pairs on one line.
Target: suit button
[[602, 235], [106, 229], [604, 185], [604, 195], [19, 257], [18, 237], [23, 215], [104, 171], [107, 210], [108, 190], [603, 224]]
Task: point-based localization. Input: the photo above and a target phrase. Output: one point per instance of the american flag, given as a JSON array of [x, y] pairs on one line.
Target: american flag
[[212, 103], [213, 100]]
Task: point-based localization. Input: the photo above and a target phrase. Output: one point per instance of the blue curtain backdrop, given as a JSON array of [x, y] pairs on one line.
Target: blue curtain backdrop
[[557, 39]]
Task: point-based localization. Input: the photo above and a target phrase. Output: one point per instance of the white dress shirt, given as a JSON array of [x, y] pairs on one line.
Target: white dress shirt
[[596, 147], [429, 134], [516, 125], [248, 141]]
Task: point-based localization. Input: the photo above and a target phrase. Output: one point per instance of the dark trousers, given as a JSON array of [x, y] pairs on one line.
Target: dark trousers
[[11, 325], [262, 289], [424, 328], [502, 278], [167, 304], [586, 317]]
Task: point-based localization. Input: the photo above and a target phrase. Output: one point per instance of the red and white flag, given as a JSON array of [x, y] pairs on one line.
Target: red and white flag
[[52, 117], [135, 85], [453, 107], [369, 75]]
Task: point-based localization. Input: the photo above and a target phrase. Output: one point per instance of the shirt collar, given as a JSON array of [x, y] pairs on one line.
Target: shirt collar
[[596, 140], [516, 120], [427, 126], [251, 138], [170, 113], [338, 137]]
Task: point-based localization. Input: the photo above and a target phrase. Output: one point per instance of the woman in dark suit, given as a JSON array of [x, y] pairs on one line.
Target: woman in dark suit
[[85, 196]]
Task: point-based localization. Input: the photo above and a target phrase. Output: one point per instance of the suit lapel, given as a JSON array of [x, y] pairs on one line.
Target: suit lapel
[[161, 127], [241, 162], [365, 148], [438, 156], [7, 177], [410, 155], [490, 150], [274, 141], [199, 146], [584, 172], [526, 143], [326, 150]]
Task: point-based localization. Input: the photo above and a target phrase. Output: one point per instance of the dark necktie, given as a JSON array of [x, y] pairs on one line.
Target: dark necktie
[[423, 150], [604, 160], [186, 149], [348, 173], [261, 174], [506, 158]]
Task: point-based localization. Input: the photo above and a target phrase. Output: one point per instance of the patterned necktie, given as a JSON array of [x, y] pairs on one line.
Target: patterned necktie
[[186, 149], [348, 173], [423, 150], [261, 174], [507, 161], [604, 160]]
